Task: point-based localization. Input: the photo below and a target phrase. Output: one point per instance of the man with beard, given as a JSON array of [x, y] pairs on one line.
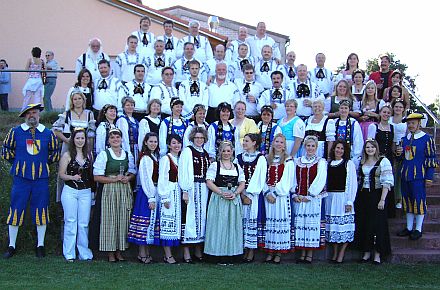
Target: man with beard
[[91, 58], [30, 148], [220, 90]]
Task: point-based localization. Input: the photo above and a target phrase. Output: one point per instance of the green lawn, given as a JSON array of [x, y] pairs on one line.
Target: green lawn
[[26, 271]]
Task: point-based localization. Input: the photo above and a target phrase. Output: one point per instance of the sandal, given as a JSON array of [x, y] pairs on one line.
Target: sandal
[[167, 260], [269, 259], [277, 259], [145, 260]]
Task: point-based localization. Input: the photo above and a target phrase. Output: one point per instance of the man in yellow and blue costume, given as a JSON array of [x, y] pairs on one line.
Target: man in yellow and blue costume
[[418, 165], [30, 148]]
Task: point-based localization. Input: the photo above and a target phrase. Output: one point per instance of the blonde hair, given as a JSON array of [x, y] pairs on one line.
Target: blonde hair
[[291, 101], [222, 147], [80, 94], [153, 101], [364, 97], [348, 94], [284, 155], [376, 154]]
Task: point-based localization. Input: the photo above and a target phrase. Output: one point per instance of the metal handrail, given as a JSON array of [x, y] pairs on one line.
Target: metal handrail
[[40, 70], [425, 107]]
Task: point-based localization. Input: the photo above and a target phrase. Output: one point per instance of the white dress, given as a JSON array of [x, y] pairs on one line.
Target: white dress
[[306, 225], [169, 191], [278, 214], [195, 186], [255, 171], [339, 225]]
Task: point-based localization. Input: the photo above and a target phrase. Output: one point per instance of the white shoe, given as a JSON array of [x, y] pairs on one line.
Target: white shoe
[[398, 205]]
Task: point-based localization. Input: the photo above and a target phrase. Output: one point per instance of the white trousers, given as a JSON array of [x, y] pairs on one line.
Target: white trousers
[[76, 206]]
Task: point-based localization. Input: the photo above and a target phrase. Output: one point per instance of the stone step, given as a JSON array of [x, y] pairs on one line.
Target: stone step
[[433, 212], [414, 256], [427, 241], [429, 225], [433, 198]]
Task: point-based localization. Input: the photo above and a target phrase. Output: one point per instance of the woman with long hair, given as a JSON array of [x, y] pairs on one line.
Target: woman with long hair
[[254, 165], [342, 92], [376, 180], [84, 84], [143, 218], [277, 233], [224, 226], [169, 211], [339, 210], [75, 169], [369, 108], [76, 117]]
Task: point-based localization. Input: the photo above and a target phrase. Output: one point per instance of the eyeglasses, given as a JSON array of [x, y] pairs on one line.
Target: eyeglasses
[[249, 72], [48, 55]]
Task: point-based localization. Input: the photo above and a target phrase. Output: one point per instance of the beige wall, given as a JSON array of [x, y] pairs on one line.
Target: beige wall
[[65, 27]]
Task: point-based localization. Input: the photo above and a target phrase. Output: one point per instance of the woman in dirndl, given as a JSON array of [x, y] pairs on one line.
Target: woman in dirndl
[[224, 225], [309, 182], [114, 168], [142, 222]]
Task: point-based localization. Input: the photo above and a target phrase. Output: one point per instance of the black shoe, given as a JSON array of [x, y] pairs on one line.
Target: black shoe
[[404, 233], [9, 253], [40, 252], [415, 235]]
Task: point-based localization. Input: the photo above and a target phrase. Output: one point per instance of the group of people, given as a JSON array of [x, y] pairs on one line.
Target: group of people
[[223, 159]]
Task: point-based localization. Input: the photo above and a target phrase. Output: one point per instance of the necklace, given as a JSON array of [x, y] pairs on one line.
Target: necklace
[[224, 166], [78, 115]]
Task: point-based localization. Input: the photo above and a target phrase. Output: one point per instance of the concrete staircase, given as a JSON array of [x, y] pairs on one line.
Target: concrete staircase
[[427, 248]]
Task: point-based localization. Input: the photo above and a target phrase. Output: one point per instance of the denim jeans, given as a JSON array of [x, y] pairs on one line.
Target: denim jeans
[[49, 87]]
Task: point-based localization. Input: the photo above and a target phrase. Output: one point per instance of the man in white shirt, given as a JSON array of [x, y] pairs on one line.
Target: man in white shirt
[[250, 91], [170, 41], [108, 89], [156, 62], [91, 58], [289, 69], [193, 91], [181, 66], [220, 90], [265, 66], [219, 56], [305, 92], [125, 61], [164, 91], [232, 46], [235, 69], [203, 50], [322, 76], [261, 39], [139, 90], [276, 96], [145, 37]]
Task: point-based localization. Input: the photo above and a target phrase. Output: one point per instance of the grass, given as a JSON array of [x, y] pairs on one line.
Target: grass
[[25, 271], [103, 275]]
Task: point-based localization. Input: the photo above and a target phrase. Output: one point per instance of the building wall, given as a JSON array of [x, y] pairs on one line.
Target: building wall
[[64, 27]]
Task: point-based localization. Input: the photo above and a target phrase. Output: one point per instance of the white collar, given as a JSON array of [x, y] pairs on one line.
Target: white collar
[[307, 160], [417, 135], [26, 127]]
